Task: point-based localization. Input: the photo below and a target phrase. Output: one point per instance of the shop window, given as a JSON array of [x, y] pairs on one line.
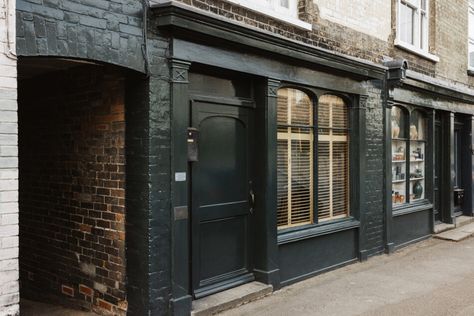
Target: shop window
[[408, 156], [298, 159]]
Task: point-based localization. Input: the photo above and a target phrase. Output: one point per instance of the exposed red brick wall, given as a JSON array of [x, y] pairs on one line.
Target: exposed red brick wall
[[72, 188]]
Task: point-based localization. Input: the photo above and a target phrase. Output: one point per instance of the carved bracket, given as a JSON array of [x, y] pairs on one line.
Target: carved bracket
[[179, 71], [362, 105], [272, 88]]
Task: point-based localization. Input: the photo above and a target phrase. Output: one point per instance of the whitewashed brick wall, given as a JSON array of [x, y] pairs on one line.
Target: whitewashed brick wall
[[372, 17], [9, 285]]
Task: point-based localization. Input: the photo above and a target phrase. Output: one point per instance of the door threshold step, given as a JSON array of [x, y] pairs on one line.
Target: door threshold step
[[439, 228], [463, 220], [231, 298], [457, 234]]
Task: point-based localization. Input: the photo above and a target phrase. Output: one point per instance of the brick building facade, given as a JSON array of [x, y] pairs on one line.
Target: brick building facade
[[118, 207], [9, 288]]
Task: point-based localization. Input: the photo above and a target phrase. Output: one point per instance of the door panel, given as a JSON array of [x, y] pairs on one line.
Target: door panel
[[221, 227]]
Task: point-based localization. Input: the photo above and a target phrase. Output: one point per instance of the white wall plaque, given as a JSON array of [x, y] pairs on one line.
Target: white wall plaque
[[180, 176]]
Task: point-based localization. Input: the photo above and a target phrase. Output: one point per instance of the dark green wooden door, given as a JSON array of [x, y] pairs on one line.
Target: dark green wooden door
[[221, 198]]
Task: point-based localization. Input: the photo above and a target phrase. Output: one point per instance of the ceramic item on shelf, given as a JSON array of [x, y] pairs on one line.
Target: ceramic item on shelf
[[417, 190], [413, 132], [395, 129]]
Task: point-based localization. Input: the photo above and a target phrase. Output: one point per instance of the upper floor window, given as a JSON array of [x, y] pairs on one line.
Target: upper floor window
[[284, 10], [312, 159], [412, 27], [413, 23], [471, 35]]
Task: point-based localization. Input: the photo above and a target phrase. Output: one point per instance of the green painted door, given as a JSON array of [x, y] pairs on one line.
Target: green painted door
[[221, 197]]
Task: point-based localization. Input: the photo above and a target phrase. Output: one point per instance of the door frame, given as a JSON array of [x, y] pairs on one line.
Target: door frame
[[241, 278], [448, 125], [266, 266]]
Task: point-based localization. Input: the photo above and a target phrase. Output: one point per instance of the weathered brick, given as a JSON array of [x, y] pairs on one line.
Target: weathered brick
[[67, 290], [86, 290], [8, 253], [9, 264], [72, 174]]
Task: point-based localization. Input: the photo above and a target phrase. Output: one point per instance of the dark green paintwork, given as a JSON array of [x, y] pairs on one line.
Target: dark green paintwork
[[222, 230]]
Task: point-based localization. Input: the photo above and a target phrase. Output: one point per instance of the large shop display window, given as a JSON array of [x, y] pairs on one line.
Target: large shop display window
[[312, 154], [408, 156]]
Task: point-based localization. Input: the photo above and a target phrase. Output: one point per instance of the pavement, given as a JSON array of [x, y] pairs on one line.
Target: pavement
[[434, 277], [32, 308]]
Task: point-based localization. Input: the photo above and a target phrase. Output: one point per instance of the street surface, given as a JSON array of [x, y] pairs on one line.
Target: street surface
[[434, 277]]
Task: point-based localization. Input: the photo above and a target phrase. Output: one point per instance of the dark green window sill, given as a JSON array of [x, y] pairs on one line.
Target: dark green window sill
[[290, 235], [412, 208]]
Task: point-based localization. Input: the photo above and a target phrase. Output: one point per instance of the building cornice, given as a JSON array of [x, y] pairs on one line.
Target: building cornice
[[443, 88], [176, 15]]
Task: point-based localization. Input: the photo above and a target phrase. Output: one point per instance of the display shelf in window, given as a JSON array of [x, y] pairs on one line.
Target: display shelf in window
[[417, 156], [408, 131], [399, 156]]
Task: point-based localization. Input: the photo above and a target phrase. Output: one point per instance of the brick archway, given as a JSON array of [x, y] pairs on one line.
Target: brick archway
[[72, 184]]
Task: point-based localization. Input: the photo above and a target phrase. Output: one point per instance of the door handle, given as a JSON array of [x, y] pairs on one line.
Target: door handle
[[252, 200]]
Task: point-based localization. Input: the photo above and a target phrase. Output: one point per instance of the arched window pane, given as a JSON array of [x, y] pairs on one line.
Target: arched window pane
[[417, 126], [399, 155], [398, 122], [333, 158], [418, 132], [294, 158]]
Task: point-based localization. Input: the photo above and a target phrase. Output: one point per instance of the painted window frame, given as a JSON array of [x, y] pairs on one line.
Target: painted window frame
[[351, 150], [470, 40], [408, 110], [420, 29]]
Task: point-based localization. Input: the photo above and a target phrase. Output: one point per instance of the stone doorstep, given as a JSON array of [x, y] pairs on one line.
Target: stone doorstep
[[463, 220], [460, 221], [457, 234], [439, 228], [229, 299]]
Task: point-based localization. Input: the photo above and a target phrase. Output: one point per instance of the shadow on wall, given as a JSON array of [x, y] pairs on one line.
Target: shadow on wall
[[72, 185]]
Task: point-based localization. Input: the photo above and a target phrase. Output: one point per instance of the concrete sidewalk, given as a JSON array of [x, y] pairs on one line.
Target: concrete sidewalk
[[434, 277]]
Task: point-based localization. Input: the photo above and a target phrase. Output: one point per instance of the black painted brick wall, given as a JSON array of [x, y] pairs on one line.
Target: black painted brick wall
[[374, 211], [72, 227], [148, 184], [102, 30]]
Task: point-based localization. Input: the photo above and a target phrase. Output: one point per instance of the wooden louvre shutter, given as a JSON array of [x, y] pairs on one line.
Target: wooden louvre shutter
[[333, 158], [294, 158]]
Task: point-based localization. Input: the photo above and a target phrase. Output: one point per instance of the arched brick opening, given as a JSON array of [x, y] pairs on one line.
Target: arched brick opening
[[72, 184]]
